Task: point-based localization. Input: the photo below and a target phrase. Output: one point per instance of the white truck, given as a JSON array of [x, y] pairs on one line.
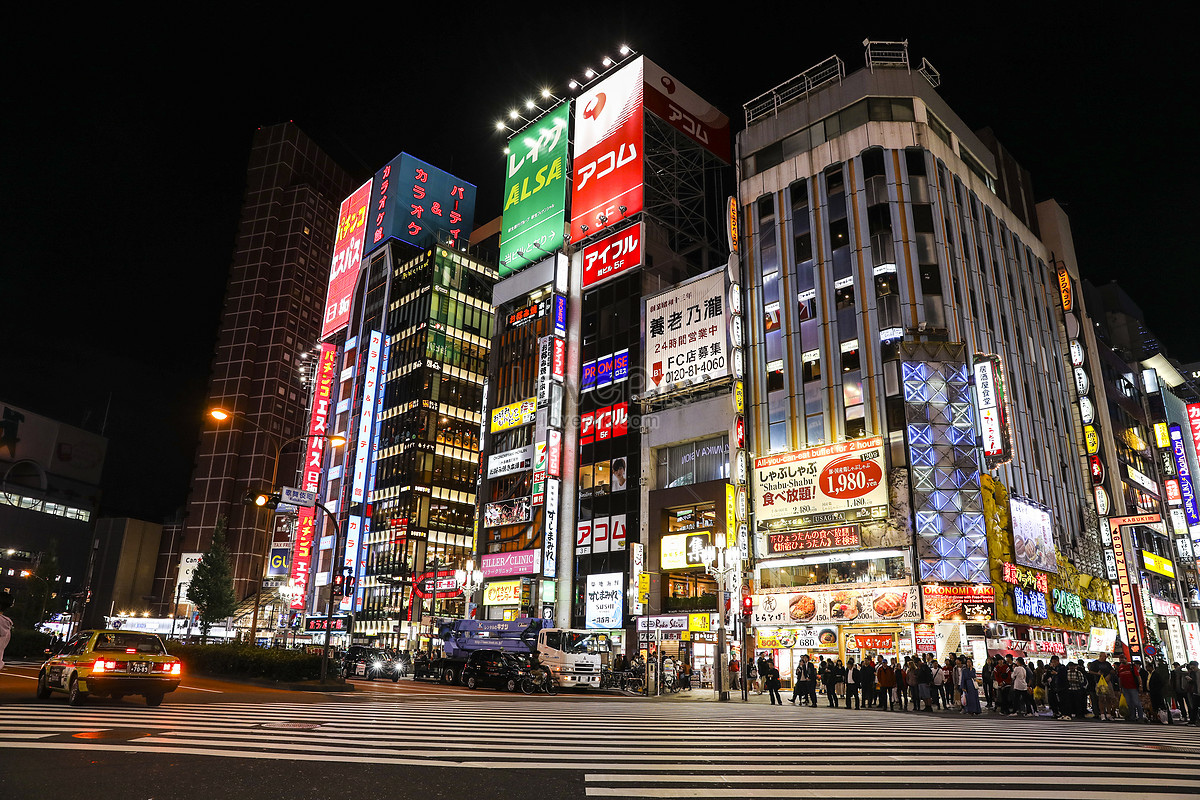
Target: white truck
[[572, 656]]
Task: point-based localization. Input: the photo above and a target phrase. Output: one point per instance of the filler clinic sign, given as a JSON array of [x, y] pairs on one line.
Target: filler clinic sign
[[607, 165], [413, 201], [535, 192], [347, 258]]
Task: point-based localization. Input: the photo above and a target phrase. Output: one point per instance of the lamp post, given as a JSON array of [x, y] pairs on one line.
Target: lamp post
[[721, 562], [221, 414], [337, 536], [469, 579]]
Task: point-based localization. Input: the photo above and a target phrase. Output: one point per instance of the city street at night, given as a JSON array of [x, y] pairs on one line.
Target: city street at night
[[414, 740], [468, 406]]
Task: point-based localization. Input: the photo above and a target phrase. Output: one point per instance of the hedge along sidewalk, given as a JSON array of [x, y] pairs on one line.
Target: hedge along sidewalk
[[275, 667]]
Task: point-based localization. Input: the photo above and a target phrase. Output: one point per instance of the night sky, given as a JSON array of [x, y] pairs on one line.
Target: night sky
[[126, 147]]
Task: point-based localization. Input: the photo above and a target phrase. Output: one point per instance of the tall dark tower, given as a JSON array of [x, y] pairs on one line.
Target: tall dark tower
[[269, 326]]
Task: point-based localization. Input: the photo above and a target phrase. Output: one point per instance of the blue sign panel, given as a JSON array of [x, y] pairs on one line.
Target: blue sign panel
[[589, 377], [1190, 509], [415, 202], [620, 370]]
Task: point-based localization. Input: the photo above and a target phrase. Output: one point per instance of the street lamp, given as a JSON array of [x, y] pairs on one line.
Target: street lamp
[[221, 414], [469, 579], [721, 562]]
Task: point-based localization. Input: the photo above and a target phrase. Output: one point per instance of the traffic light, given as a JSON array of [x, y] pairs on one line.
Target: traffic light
[[261, 498], [747, 605], [347, 580], [336, 586]]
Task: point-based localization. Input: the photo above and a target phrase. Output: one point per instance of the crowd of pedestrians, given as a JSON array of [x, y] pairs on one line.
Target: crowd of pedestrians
[[1011, 686]]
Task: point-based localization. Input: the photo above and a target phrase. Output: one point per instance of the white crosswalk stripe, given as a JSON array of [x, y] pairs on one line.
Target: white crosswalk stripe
[[656, 750]]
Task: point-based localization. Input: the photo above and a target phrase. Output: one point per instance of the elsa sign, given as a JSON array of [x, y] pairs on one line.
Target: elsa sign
[[605, 601]]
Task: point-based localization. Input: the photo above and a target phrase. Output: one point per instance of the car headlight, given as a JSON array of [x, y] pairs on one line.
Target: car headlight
[[376, 664]]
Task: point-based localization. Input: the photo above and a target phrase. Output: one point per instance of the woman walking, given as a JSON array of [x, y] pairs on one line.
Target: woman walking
[[970, 691]]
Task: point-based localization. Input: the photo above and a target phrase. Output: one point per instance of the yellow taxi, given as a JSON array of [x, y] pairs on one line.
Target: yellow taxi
[[110, 663]]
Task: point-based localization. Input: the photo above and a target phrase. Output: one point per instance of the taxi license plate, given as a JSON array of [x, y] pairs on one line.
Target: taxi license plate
[[139, 667]]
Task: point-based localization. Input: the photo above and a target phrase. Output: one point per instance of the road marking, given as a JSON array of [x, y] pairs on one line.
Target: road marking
[[18, 675], [198, 689]]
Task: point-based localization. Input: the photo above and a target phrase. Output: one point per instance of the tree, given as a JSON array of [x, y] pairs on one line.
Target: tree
[[211, 589], [41, 589]]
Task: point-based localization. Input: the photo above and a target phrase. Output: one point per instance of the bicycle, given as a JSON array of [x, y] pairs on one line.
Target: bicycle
[[632, 682], [538, 679]]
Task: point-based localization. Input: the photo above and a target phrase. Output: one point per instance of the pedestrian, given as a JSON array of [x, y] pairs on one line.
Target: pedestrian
[[735, 667], [1162, 692], [830, 681], [988, 691], [1056, 687], [902, 682], [1106, 694], [1076, 690], [6, 623], [772, 681], [870, 689], [939, 685], [1020, 687], [853, 676], [924, 686], [1002, 686], [798, 684], [1194, 700], [969, 689], [810, 681], [1127, 678], [886, 676], [1181, 680], [762, 664]]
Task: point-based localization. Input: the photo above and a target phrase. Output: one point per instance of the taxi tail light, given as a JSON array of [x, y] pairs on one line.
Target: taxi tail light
[[102, 666], [173, 667]]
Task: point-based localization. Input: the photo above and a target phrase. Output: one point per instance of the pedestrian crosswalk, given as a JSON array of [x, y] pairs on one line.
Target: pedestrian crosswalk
[[645, 749]]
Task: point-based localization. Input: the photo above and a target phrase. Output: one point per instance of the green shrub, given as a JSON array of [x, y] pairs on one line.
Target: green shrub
[[27, 644], [247, 661]]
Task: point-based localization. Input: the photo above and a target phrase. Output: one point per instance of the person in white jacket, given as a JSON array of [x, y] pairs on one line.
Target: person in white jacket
[[1022, 700], [6, 623]]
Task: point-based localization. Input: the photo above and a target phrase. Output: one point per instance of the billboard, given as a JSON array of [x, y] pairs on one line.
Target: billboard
[[860, 606], [58, 448], [613, 255], [607, 163], [970, 601], [1186, 488], [686, 334], [993, 410], [821, 480], [686, 111], [605, 601], [507, 512], [519, 562], [413, 201], [1033, 535], [513, 415], [347, 258], [535, 192], [510, 461], [370, 386]]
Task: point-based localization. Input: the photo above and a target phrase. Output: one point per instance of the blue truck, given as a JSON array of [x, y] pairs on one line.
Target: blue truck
[[573, 656]]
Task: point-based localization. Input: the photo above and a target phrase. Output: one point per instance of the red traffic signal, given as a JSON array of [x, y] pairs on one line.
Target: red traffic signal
[[747, 604]]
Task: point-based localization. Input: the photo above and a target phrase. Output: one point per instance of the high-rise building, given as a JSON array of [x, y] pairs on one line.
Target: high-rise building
[[914, 416], [610, 417], [408, 335], [269, 326]]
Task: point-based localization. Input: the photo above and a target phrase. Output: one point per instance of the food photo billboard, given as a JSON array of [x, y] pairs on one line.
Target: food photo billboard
[[838, 606]]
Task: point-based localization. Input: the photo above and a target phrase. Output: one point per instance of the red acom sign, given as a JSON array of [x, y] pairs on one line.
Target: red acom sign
[[347, 257], [608, 152], [318, 428], [612, 255]]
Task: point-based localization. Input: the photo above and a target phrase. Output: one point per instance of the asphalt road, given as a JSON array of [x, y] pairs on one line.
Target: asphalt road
[[216, 739]]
